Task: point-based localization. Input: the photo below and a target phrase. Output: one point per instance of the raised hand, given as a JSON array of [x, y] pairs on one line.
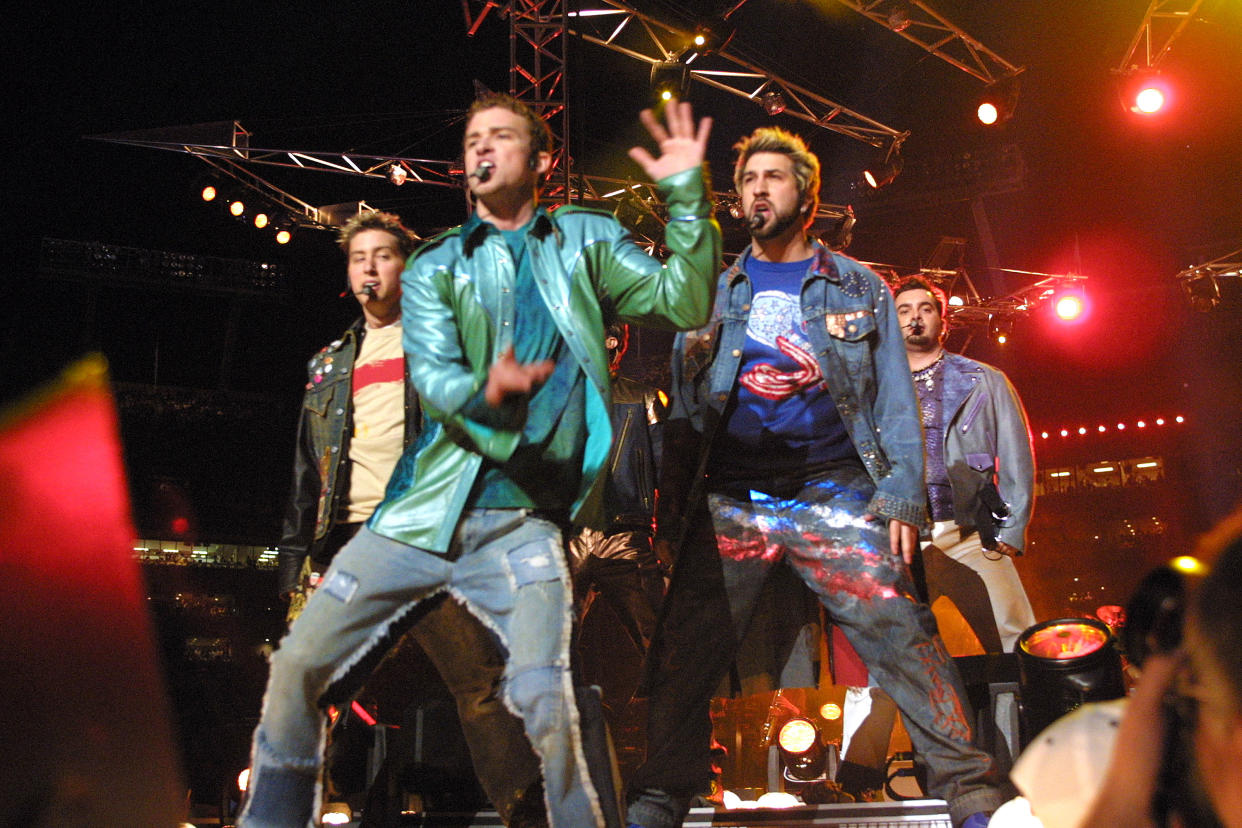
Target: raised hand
[[682, 145]]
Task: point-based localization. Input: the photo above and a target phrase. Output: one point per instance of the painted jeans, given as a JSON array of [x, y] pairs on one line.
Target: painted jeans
[[508, 568], [817, 529]]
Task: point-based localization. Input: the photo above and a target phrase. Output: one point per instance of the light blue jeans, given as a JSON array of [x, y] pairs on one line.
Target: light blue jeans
[[507, 566]]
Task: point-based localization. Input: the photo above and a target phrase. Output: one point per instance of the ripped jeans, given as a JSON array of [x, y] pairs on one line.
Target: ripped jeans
[[507, 566], [819, 530]]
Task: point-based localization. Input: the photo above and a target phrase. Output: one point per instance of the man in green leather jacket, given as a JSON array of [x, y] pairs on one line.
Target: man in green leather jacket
[[504, 333]]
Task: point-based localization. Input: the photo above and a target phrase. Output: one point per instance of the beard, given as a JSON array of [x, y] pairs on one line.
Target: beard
[[776, 225], [922, 341]]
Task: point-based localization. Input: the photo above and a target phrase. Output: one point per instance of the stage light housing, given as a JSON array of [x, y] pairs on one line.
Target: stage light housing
[[998, 102], [285, 226], [1202, 291], [886, 168], [398, 173], [773, 102], [802, 751], [711, 37], [237, 208], [670, 79], [1144, 92], [1069, 302], [261, 220], [1063, 664], [209, 192]]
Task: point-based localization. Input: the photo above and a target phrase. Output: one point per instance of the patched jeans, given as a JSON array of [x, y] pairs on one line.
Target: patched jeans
[[507, 566], [819, 531]]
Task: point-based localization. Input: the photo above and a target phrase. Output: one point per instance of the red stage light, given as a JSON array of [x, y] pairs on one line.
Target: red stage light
[[1144, 92], [1148, 101], [1069, 308]]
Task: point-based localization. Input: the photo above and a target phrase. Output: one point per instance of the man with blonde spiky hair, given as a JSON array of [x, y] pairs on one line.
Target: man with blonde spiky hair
[[793, 450]]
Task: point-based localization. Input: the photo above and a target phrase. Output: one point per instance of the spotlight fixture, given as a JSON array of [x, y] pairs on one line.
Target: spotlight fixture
[[237, 208], [284, 235], [899, 18], [209, 192], [1202, 291], [773, 102], [1063, 664], [1143, 91], [261, 220], [1069, 304], [711, 37], [887, 167], [670, 79], [998, 102], [398, 173], [802, 751], [1002, 329]]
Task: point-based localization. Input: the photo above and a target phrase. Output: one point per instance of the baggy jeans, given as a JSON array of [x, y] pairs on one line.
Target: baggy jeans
[[507, 566], [844, 559]]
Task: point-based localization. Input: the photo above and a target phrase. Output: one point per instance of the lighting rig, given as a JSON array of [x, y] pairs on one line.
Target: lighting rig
[[619, 27], [1202, 283], [1142, 88], [538, 30], [922, 25], [968, 311]]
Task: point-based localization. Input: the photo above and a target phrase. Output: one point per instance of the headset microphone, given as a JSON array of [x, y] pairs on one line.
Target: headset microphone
[[483, 171]]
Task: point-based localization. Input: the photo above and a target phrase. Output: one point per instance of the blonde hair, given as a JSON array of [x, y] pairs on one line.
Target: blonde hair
[[390, 223], [775, 139]]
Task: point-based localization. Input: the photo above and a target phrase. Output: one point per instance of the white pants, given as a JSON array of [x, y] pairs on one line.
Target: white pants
[[993, 603]]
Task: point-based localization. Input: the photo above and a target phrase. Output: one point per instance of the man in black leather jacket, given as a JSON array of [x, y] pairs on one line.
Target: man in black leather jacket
[[618, 564]]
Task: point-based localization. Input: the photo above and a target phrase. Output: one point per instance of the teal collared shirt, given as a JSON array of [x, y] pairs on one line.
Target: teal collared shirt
[[544, 469]]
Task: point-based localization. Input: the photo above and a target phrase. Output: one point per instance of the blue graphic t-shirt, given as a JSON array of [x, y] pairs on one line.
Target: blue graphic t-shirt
[[782, 421]]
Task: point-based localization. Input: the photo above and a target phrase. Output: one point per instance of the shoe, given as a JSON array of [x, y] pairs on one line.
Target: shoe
[[977, 820]]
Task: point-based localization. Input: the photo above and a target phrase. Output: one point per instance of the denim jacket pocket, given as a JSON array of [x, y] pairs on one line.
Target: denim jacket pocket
[[851, 326], [852, 335], [320, 399]]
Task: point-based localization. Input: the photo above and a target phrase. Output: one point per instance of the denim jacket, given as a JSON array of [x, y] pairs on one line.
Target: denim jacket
[[986, 439], [320, 460], [458, 314], [852, 325]]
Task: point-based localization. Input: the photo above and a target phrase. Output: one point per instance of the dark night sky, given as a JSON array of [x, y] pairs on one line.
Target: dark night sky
[[1128, 204]]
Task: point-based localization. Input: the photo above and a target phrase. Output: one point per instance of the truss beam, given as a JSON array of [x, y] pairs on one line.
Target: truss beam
[[1163, 23], [932, 32], [607, 22], [538, 76]]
